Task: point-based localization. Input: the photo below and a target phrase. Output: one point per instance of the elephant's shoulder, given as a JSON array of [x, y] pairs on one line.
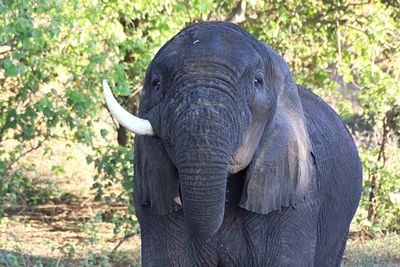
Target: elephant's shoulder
[[315, 108], [321, 118], [332, 143]]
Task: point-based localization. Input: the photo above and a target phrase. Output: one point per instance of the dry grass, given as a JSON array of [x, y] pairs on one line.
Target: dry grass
[[383, 251], [65, 234], [69, 234]]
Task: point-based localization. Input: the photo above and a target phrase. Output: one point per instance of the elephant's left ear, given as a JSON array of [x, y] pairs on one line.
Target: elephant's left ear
[[281, 171], [156, 178]]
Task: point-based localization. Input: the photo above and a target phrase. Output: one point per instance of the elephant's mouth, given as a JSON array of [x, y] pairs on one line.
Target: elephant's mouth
[[178, 199], [234, 189]]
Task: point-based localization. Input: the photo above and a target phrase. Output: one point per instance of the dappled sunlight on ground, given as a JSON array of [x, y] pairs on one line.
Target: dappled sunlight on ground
[[70, 233]]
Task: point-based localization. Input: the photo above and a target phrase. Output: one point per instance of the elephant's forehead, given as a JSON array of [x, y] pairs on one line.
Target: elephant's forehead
[[212, 44]]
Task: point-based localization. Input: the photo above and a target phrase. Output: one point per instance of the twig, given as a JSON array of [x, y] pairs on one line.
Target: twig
[[187, 7], [375, 178], [136, 92], [356, 28], [238, 13], [20, 156], [339, 39], [120, 243], [24, 206], [86, 201], [320, 16], [5, 49]]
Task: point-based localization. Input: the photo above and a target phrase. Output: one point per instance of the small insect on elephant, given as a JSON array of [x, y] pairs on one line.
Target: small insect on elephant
[[235, 164]]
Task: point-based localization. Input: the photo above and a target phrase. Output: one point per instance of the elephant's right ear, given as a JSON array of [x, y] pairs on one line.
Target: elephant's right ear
[[156, 178]]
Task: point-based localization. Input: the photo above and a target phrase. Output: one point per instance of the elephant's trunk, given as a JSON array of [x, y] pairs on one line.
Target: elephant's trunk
[[203, 143], [203, 192]]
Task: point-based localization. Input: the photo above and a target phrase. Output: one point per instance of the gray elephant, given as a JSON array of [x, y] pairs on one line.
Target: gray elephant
[[236, 165]]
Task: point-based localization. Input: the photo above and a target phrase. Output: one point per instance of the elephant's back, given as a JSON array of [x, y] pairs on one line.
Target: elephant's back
[[339, 176]]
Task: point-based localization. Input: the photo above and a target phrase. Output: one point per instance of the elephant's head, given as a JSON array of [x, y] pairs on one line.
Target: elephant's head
[[218, 101]]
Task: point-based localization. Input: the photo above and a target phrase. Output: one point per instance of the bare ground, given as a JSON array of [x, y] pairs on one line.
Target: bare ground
[[64, 234], [69, 234]]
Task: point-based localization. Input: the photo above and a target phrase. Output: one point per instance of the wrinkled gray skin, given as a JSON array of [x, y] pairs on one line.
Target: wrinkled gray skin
[[266, 172]]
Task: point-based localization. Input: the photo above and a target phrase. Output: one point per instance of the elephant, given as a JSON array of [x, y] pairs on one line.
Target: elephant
[[235, 164]]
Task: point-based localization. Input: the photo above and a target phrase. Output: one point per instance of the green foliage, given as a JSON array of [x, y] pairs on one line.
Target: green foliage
[[19, 190], [54, 55]]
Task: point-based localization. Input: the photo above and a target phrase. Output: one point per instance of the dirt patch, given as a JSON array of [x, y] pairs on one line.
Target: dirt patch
[[72, 230]]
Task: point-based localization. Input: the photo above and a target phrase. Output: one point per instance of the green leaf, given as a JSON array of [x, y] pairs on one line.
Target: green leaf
[[3, 166], [89, 159], [57, 169], [10, 68], [103, 132]]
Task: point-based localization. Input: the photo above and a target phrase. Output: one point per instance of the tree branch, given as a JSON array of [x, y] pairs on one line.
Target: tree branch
[[238, 14], [126, 237], [320, 18], [20, 156], [5, 49]]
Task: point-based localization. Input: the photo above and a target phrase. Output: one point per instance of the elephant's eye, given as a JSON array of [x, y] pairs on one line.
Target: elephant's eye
[[258, 82], [156, 83]]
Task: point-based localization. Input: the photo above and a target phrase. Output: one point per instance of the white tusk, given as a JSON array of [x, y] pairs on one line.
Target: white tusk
[[178, 201], [129, 121]]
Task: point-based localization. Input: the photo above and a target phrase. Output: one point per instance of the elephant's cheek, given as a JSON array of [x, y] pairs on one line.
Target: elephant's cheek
[[243, 155], [239, 160]]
